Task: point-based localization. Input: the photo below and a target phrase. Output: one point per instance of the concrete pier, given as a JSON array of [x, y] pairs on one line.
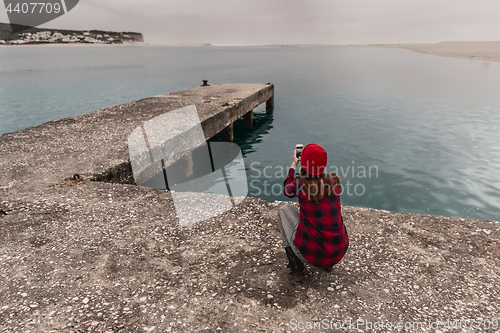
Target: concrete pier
[[248, 119], [270, 105], [92, 256], [94, 145]]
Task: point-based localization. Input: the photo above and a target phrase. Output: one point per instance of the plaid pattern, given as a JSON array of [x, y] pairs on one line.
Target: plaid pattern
[[321, 235]]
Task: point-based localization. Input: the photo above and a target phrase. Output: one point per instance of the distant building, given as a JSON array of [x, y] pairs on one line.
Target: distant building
[[106, 35], [86, 33], [2, 41], [98, 36]]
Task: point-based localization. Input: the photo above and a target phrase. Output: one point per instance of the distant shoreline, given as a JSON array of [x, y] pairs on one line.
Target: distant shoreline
[[477, 50], [71, 45], [100, 45], [180, 44], [484, 51], [480, 50]]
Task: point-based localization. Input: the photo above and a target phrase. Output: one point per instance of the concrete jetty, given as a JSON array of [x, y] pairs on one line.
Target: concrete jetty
[[94, 145], [78, 255]]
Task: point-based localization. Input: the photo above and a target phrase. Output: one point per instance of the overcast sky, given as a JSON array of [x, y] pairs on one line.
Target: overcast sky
[[289, 21]]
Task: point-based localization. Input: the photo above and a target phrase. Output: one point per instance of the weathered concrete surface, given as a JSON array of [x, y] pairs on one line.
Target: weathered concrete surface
[[91, 256], [96, 142], [103, 257]]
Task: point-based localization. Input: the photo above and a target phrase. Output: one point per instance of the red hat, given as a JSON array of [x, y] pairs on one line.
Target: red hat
[[313, 159]]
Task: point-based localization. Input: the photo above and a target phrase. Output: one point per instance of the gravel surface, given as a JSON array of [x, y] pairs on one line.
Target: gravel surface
[[102, 257]]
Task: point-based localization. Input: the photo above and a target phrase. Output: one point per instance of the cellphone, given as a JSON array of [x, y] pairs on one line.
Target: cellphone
[[298, 149]]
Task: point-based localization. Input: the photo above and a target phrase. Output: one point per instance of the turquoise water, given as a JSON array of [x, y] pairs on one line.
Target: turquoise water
[[420, 132]]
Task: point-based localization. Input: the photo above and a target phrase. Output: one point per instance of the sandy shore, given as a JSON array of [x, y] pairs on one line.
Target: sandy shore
[[489, 51]]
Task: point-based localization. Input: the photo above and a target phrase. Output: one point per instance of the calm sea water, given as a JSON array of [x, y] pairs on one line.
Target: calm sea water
[[406, 132]]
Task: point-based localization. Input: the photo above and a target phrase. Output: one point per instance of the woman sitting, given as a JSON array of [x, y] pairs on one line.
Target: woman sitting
[[317, 235]]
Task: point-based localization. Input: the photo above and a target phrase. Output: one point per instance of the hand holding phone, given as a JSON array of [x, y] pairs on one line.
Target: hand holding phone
[[298, 149]]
